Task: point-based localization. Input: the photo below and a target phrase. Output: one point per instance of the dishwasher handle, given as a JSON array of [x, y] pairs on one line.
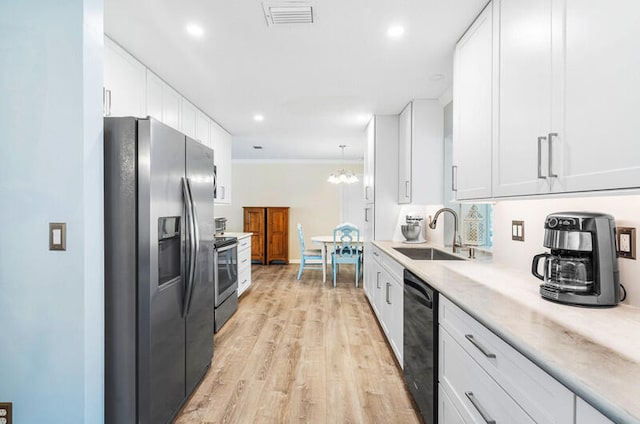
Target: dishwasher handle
[[418, 285]]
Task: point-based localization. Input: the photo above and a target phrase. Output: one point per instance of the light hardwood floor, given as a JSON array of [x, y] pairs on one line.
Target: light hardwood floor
[[301, 351]]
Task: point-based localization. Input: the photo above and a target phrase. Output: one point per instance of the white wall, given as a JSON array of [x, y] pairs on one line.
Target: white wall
[[314, 202], [625, 209], [51, 303]]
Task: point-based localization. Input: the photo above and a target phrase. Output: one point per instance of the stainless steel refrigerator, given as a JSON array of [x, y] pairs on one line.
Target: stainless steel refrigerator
[[158, 269]]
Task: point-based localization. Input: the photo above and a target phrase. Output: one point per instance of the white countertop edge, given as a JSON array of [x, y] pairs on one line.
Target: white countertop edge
[[608, 407], [239, 236]]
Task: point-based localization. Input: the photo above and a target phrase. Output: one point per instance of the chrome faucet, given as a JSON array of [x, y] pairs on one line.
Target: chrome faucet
[[432, 225]]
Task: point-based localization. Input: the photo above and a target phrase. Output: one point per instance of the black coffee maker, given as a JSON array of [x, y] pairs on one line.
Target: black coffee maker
[[582, 268]]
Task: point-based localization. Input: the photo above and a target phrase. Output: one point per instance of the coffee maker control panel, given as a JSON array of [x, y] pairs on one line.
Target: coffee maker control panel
[[562, 223]]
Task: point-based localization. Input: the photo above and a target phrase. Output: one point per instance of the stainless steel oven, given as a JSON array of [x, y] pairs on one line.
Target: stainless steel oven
[[225, 264]]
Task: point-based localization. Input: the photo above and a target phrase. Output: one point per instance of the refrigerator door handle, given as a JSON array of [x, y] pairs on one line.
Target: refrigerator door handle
[[190, 243], [196, 246]]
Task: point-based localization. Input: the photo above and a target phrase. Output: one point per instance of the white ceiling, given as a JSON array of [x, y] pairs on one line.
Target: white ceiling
[[316, 85]]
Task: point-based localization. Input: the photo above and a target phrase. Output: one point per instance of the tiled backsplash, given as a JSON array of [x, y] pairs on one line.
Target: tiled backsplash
[[518, 254]]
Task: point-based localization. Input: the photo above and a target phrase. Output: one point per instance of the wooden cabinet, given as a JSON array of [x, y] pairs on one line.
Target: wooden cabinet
[[472, 109], [244, 264], [420, 153], [255, 222], [278, 235], [221, 145], [505, 384], [270, 228], [124, 82]]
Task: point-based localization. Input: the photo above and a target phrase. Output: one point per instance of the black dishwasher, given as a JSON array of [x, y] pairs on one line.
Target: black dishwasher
[[421, 345]]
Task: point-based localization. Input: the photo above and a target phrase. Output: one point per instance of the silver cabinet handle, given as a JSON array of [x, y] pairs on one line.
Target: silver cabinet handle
[[244, 260], [366, 214], [406, 189], [454, 176], [108, 102], [366, 192], [481, 348], [378, 279], [540, 140], [551, 174], [222, 190], [485, 416], [376, 254], [388, 293]]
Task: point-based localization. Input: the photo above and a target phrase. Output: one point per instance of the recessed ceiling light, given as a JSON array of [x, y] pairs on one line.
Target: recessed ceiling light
[[258, 117], [395, 31], [195, 30], [436, 77]]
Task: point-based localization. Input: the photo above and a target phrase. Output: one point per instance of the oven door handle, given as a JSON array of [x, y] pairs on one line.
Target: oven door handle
[[192, 250]]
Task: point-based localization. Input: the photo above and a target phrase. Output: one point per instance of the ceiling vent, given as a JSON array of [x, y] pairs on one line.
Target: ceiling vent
[[288, 13]]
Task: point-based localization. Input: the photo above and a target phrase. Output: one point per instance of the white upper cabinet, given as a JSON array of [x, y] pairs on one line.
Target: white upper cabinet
[[597, 144], [525, 98], [563, 95], [163, 102], [472, 109], [188, 118], [369, 162], [203, 132], [404, 155], [171, 104], [221, 144], [124, 82], [154, 95], [421, 153]]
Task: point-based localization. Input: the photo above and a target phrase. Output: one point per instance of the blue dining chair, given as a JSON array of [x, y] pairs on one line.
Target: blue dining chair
[[308, 255], [346, 240]]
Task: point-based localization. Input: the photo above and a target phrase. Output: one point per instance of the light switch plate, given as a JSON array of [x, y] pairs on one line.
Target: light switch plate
[[626, 242], [517, 230], [57, 236]]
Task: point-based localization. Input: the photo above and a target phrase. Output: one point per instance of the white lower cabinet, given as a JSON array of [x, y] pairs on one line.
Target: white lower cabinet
[[447, 411], [244, 264], [386, 281], [483, 379], [587, 414]]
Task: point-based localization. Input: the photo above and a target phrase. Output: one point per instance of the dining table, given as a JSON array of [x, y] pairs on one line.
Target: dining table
[[326, 243]]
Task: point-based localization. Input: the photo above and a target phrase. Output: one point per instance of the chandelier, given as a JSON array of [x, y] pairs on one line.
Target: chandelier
[[342, 176]]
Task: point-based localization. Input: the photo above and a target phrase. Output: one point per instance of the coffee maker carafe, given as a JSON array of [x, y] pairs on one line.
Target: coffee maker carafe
[[582, 268]]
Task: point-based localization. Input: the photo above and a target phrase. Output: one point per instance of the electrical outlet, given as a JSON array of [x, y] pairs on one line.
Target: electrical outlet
[[5, 413], [626, 242], [517, 230]]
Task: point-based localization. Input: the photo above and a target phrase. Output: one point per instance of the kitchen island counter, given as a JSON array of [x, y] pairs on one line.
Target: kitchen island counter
[[595, 352]]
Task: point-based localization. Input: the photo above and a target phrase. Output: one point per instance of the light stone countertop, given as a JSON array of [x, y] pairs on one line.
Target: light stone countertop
[[240, 236], [595, 352]]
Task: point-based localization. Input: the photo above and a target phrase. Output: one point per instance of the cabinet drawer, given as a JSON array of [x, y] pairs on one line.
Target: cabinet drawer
[[395, 269], [244, 260], [477, 397], [543, 397], [244, 244], [244, 280]]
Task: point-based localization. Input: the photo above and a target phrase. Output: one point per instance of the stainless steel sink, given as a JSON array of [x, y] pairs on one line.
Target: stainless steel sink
[[427, 254]]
